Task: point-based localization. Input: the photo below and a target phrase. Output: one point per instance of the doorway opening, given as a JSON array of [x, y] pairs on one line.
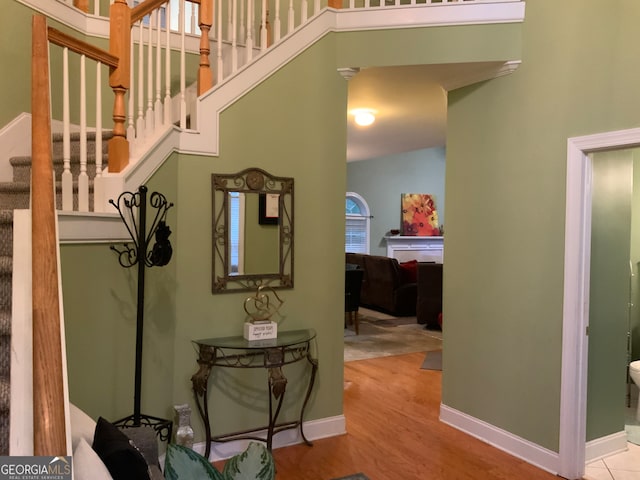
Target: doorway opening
[[573, 401]]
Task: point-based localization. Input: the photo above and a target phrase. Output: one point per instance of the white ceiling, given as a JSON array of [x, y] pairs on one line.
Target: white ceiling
[[410, 104]]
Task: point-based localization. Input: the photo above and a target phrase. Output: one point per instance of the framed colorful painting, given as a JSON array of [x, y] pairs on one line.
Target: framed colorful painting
[[419, 215]]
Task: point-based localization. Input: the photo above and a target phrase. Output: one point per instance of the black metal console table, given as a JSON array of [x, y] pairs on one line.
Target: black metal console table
[[272, 355]]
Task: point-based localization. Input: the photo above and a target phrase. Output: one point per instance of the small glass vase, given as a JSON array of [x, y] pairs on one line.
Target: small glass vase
[[184, 432]]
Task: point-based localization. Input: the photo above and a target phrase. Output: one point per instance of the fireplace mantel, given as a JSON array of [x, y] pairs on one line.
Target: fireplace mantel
[[424, 249]]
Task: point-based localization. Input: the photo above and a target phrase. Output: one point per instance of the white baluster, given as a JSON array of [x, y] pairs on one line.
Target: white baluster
[[149, 114], [219, 42], [249, 44], [83, 180], [157, 108], [167, 67], [229, 22], [234, 43], [67, 178], [276, 23], [291, 19], [194, 19], [367, 3], [304, 12], [352, 4], [98, 190], [263, 27], [316, 7], [131, 129], [140, 120], [96, 7], [241, 25], [183, 102]]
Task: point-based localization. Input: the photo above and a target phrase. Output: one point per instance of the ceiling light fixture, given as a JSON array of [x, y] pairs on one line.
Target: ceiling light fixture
[[364, 116]]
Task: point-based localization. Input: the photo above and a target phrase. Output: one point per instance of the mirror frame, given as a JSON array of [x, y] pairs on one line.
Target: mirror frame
[[250, 180]]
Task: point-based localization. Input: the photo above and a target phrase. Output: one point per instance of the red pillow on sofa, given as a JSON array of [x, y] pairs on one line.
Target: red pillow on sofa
[[409, 271]]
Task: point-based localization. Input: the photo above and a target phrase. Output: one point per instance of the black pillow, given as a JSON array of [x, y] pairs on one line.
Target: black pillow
[[122, 459]]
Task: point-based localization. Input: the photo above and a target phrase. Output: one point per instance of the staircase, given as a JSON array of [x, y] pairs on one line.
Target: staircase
[[16, 195]]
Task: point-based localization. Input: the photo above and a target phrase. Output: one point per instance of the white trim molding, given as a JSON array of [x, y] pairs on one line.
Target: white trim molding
[[573, 389], [431, 15], [603, 447], [501, 439], [313, 430]]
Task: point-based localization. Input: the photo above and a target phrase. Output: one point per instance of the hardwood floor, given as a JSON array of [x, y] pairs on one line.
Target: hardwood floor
[[391, 408]]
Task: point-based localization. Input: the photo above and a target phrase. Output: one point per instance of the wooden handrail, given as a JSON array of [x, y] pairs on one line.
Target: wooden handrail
[[49, 432], [83, 48], [143, 9]]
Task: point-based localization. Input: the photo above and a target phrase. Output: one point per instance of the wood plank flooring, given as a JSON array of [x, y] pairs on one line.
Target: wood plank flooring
[[392, 407]]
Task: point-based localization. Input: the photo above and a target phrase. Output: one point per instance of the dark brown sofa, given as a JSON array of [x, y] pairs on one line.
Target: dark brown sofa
[[429, 304], [385, 286]]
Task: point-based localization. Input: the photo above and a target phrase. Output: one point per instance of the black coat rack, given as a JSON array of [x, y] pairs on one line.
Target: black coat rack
[[132, 208]]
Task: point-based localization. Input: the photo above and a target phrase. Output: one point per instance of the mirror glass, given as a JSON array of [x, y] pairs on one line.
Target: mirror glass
[[252, 231]]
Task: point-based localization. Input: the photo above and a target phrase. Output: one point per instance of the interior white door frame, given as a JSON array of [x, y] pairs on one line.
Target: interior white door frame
[[577, 258]]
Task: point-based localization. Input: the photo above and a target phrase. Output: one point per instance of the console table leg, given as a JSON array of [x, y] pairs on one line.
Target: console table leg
[[314, 369], [277, 389], [200, 382]]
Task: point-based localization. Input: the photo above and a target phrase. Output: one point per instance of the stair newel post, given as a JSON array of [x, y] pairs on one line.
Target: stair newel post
[[205, 21], [49, 431], [119, 77], [132, 208]]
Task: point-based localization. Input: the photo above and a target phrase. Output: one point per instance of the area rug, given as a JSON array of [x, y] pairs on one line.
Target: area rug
[[432, 361], [356, 476], [383, 335]]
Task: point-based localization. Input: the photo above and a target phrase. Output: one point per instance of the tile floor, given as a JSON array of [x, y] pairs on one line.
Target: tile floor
[[625, 465]]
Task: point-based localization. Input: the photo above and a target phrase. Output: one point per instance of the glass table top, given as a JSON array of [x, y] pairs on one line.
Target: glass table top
[[285, 338]]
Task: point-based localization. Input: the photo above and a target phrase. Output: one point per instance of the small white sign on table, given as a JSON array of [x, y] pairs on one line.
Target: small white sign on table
[[260, 330]]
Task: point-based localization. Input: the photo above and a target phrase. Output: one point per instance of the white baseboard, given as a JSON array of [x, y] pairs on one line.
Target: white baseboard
[[501, 439], [605, 446], [313, 430]]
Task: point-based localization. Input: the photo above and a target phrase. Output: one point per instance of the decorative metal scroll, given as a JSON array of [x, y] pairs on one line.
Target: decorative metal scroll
[[280, 192]]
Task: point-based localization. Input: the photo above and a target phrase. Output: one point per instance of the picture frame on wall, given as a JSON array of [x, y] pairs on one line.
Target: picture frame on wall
[[269, 209]]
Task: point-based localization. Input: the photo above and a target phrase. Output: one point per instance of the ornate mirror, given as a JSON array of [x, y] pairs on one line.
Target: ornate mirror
[[252, 231]]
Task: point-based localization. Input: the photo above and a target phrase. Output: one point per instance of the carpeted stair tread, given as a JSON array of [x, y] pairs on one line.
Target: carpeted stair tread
[[6, 264], [19, 187], [6, 217], [5, 322]]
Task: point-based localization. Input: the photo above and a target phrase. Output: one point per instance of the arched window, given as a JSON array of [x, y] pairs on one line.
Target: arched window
[[357, 224]]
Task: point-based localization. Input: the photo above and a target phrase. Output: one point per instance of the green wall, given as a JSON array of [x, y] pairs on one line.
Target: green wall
[[505, 197], [381, 182]]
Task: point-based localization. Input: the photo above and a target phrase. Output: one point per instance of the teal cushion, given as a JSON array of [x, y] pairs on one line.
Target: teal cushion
[[182, 463], [255, 463]]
